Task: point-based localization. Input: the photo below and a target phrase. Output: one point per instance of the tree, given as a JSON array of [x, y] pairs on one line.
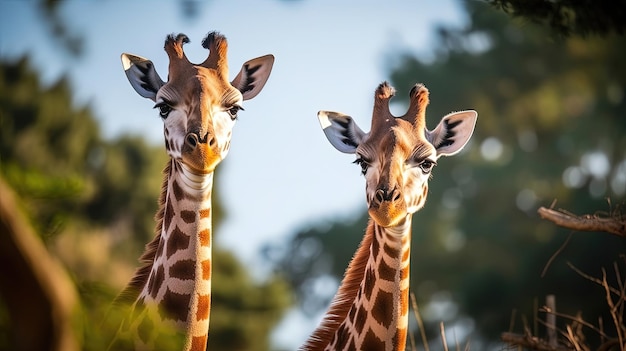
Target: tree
[[550, 126], [569, 17]]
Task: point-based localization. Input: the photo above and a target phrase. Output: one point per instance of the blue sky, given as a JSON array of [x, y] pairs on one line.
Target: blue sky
[[281, 173]]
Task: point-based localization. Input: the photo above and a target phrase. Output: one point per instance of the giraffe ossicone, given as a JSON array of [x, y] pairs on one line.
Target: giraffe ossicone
[[397, 156], [170, 295]]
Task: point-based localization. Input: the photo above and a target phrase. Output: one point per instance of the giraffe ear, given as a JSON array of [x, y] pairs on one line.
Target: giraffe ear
[[253, 76], [453, 132], [142, 75], [341, 131]]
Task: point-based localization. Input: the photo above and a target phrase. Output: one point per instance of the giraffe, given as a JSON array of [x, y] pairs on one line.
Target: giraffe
[[170, 294], [370, 309]]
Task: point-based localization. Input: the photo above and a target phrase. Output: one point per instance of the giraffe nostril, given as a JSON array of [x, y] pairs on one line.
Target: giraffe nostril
[[395, 196], [380, 195], [191, 140], [383, 195]]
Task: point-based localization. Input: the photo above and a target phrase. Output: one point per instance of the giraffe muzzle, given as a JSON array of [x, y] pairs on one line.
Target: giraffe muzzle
[[387, 207], [383, 195], [193, 139], [200, 153]]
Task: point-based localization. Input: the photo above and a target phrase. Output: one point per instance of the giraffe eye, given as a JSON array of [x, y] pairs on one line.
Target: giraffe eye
[[427, 166], [164, 109], [364, 165], [233, 110]]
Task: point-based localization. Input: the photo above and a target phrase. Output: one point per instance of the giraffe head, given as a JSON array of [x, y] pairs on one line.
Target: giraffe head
[[198, 105], [397, 156]]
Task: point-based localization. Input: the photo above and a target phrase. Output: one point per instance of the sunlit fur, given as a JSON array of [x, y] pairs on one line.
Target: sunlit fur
[[370, 309]]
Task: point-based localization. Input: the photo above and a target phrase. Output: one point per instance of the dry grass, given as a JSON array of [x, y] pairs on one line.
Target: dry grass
[[442, 330], [576, 333]]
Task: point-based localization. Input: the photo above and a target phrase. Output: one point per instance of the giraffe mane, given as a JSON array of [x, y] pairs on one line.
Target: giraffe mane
[[342, 302], [133, 288]]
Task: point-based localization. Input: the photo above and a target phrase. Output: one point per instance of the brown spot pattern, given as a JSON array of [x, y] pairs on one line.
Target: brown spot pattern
[[168, 216], [352, 313], [385, 271], [183, 269], [188, 216], [343, 335], [406, 255], [205, 237], [359, 321], [404, 302], [159, 252], [383, 308], [404, 274], [179, 193], [198, 343], [399, 338], [206, 269], [351, 346], [176, 305], [205, 213], [371, 342], [369, 283], [156, 281], [390, 251], [204, 306], [177, 241]]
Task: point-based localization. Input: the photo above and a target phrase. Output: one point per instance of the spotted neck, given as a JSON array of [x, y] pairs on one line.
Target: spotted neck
[[175, 299], [370, 310]]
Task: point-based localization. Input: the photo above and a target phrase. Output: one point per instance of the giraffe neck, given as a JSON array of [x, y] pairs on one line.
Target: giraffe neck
[[370, 310], [175, 300]]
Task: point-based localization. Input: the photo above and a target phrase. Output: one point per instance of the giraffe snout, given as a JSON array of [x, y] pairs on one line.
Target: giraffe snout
[[383, 194], [193, 139], [387, 207]]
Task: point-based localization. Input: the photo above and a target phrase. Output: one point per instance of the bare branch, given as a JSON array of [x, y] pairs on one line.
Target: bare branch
[[551, 320], [545, 269], [443, 336], [614, 225], [617, 319], [531, 342], [595, 280], [420, 323], [576, 319]]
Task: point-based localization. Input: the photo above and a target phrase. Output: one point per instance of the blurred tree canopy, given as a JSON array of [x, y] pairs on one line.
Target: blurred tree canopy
[[570, 17], [551, 126], [93, 201]]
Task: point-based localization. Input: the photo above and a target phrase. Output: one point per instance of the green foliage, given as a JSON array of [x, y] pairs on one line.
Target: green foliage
[[568, 17], [94, 201], [243, 313], [551, 126], [44, 145]]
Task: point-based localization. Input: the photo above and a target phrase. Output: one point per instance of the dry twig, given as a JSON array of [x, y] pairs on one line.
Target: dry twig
[[615, 224], [531, 342], [443, 336], [420, 323]]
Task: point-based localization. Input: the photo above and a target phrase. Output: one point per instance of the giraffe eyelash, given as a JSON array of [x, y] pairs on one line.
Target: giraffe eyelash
[[164, 109], [364, 165]]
